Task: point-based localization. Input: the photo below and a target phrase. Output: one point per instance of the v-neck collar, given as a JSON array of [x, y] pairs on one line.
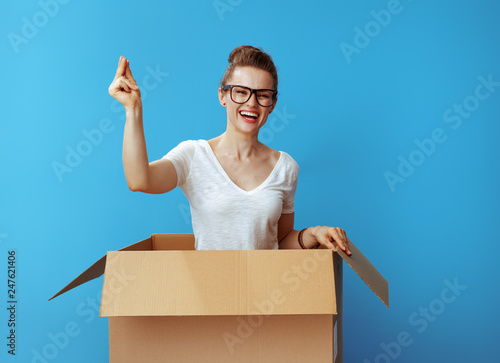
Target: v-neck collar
[[224, 174]]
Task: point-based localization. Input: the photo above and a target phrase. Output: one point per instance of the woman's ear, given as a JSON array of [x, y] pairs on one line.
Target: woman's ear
[[222, 95]]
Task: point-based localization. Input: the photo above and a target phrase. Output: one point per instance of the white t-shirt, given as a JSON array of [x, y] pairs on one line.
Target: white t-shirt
[[224, 216]]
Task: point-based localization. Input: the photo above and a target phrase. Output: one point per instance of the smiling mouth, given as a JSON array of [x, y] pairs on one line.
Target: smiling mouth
[[248, 115]]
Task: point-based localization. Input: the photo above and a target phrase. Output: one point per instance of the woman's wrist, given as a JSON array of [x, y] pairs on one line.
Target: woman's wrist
[[134, 114], [308, 238], [134, 109]]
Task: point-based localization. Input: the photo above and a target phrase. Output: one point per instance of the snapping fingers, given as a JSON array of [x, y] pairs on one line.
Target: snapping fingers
[[120, 71]]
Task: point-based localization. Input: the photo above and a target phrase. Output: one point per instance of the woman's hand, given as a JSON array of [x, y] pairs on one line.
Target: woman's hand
[[327, 237], [124, 88]]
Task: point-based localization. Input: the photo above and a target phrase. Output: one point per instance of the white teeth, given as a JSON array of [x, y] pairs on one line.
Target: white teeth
[[246, 113]]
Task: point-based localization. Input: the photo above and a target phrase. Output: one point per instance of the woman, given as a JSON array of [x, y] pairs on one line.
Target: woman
[[241, 192]]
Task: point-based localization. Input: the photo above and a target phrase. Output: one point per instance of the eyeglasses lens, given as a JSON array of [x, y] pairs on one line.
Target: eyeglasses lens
[[242, 95]]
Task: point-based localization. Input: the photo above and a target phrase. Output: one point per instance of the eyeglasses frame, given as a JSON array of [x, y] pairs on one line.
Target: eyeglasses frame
[[254, 91]]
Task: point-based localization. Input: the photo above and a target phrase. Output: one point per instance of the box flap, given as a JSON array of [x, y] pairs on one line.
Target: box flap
[[97, 269], [229, 282], [360, 264]]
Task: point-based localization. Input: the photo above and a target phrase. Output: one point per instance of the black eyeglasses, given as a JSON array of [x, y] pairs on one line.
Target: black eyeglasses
[[241, 94]]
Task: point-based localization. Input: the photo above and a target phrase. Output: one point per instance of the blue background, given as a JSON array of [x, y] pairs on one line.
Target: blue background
[[350, 119]]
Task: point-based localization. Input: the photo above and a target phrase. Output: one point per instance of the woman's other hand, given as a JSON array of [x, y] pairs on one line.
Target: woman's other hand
[[327, 237]]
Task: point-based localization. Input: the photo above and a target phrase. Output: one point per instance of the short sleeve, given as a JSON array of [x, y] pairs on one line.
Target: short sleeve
[[181, 157], [290, 186]]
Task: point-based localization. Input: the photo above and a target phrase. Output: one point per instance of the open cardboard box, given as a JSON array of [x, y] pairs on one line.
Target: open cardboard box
[[167, 302]]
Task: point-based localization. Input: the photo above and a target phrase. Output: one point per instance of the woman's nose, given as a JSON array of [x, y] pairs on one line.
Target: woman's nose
[[253, 99]]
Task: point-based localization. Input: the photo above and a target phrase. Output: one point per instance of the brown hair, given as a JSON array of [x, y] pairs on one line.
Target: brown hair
[[246, 55]]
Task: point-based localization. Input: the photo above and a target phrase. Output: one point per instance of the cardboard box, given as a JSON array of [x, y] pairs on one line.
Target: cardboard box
[[167, 302]]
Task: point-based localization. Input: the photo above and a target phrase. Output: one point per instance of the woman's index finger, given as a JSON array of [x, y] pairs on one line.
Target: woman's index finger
[[121, 68], [128, 72]]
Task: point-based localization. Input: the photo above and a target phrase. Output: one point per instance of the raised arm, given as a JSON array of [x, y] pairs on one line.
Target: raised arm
[[155, 177]]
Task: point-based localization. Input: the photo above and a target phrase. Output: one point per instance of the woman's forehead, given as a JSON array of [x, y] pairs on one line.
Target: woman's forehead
[[252, 77]]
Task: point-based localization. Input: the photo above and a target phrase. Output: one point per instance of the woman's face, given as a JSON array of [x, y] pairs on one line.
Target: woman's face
[[239, 116]]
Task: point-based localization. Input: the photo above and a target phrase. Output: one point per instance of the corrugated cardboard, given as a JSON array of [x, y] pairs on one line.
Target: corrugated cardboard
[[167, 302]]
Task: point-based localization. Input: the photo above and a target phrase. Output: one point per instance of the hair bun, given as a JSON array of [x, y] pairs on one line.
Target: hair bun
[[242, 52], [247, 55]]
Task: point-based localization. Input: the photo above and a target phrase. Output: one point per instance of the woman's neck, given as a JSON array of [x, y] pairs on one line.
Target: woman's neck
[[238, 145]]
